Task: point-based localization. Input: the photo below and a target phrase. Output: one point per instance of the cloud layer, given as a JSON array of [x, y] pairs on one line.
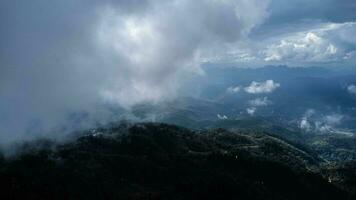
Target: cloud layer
[[62, 61], [67, 60]]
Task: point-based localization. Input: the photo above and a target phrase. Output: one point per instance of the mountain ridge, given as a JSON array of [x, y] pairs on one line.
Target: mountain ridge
[[160, 161]]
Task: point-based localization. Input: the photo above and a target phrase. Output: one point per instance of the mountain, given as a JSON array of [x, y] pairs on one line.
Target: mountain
[[334, 148], [317, 97], [343, 174], [160, 161]]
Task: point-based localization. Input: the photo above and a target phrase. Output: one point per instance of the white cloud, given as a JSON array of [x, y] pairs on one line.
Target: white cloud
[[309, 47], [310, 122], [251, 111], [351, 89], [262, 87], [330, 42], [234, 89], [260, 102], [305, 125], [157, 53], [222, 117], [323, 127]]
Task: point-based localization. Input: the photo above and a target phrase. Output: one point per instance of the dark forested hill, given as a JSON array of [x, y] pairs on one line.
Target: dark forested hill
[[159, 161]]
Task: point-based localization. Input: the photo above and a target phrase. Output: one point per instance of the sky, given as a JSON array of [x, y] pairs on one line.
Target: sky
[[71, 56]]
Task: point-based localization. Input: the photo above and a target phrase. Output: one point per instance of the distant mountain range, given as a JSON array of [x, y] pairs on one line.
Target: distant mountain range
[[316, 97]]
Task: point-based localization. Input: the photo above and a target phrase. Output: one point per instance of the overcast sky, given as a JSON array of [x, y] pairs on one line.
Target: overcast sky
[[65, 56]]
